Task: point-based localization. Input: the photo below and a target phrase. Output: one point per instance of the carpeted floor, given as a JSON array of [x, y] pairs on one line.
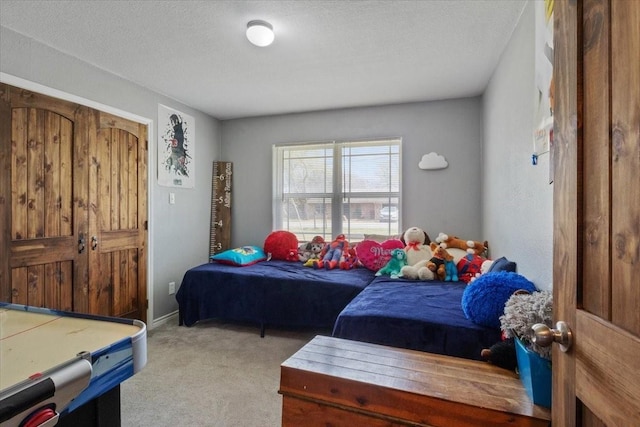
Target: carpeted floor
[[210, 374]]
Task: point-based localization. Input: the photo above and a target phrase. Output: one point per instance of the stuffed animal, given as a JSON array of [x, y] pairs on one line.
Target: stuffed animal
[[469, 267], [523, 310], [441, 264], [418, 254], [395, 264], [349, 259], [502, 354], [471, 246], [281, 245], [483, 300], [450, 270], [332, 253], [484, 268], [311, 250]]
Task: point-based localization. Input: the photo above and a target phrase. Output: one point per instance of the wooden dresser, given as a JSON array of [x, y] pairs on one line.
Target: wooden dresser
[[336, 382]]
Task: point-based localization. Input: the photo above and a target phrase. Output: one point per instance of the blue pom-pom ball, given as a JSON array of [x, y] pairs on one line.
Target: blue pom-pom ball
[[484, 299]]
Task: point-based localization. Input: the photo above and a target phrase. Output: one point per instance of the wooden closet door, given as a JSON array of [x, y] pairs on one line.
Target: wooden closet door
[[44, 189], [118, 217], [73, 208]]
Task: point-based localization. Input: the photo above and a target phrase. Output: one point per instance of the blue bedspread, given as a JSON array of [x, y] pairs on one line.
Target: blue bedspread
[[268, 293], [416, 315]]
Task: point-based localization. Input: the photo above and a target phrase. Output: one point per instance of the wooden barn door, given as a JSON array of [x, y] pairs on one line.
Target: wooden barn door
[[117, 217], [597, 212], [43, 208], [57, 249]]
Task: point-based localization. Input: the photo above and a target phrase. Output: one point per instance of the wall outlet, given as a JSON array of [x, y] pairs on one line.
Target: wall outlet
[[172, 288]]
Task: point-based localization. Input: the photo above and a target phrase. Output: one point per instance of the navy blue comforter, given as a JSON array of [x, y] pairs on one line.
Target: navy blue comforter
[[268, 293], [416, 315]]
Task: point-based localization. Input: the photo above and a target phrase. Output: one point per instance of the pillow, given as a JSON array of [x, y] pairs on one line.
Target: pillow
[[502, 264], [379, 237], [374, 255], [484, 299], [281, 245], [246, 255]]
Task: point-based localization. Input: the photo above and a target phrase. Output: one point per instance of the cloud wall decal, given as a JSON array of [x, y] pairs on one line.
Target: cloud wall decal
[[433, 161]]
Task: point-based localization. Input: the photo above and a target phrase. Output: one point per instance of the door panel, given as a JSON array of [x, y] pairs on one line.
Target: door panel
[[44, 285], [597, 212], [41, 241]]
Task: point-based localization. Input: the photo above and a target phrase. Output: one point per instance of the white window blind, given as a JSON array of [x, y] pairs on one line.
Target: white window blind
[[338, 187]]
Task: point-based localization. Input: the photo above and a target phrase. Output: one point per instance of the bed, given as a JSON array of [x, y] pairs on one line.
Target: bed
[[424, 316], [274, 293]]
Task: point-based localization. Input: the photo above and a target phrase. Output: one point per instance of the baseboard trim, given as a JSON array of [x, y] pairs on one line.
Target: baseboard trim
[[164, 319]]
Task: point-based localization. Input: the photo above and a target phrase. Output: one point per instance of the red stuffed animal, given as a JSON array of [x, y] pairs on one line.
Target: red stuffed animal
[[349, 260]]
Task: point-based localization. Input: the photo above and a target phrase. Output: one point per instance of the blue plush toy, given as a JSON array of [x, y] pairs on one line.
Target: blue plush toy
[[451, 271], [395, 264], [484, 299]]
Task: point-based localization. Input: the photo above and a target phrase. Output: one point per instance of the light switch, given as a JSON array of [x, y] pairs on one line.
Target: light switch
[[172, 198]]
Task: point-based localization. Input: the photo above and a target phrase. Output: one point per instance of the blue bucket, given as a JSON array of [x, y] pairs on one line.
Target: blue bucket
[[535, 374]]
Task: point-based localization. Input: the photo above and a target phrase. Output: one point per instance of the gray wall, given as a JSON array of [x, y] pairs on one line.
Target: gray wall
[[518, 199], [176, 234], [444, 200]]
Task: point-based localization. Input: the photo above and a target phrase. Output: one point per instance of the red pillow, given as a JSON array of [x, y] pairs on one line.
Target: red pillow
[[281, 245], [374, 255]]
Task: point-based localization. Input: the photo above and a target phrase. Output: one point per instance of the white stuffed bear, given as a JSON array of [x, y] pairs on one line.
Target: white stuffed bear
[[418, 254]]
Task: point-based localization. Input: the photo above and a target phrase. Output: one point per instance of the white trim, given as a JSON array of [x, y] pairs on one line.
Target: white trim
[[36, 87], [173, 316]]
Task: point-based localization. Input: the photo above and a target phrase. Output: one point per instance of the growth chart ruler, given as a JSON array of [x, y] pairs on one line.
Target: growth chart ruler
[[220, 207]]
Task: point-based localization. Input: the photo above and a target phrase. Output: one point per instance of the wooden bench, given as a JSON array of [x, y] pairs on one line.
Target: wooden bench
[[337, 382]]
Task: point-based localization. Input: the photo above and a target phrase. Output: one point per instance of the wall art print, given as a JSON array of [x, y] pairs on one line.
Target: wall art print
[[176, 148]]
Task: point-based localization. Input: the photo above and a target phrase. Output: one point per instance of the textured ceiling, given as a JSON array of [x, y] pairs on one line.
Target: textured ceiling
[[326, 55]]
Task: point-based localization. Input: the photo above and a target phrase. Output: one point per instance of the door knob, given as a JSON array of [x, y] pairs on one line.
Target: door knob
[[544, 336]]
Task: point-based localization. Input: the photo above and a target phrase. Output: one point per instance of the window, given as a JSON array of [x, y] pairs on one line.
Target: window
[[329, 188]]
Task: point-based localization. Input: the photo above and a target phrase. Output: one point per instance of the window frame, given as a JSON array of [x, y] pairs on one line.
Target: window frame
[[337, 196]]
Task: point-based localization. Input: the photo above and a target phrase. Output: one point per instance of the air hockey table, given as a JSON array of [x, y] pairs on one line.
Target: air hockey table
[[65, 369]]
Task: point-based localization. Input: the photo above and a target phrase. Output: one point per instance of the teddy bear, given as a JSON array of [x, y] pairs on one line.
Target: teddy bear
[[442, 264], [416, 242], [470, 246], [311, 250], [395, 264]]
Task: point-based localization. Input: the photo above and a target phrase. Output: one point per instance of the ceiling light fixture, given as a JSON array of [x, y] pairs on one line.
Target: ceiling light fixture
[[260, 33]]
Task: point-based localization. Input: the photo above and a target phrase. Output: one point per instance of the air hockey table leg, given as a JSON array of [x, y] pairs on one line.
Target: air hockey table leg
[[102, 411]]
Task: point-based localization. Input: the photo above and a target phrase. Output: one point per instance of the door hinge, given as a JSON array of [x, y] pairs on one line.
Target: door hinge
[[146, 304], [146, 226]]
